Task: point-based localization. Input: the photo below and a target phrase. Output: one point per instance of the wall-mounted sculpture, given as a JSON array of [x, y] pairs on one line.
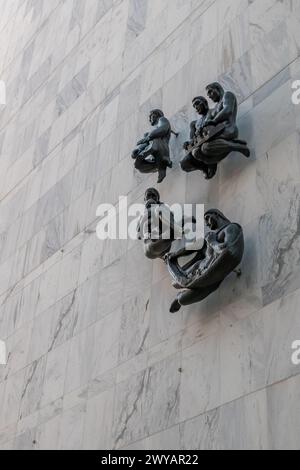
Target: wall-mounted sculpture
[[150, 228], [159, 227], [215, 134], [152, 153], [208, 267]]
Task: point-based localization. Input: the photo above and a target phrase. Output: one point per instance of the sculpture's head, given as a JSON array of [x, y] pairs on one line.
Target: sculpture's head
[[152, 196], [155, 116], [215, 220], [215, 92], [201, 105]]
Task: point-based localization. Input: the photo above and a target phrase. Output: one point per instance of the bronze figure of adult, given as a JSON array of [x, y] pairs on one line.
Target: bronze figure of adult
[[202, 275], [158, 227], [152, 153], [189, 162], [156, 235], [219, 135]]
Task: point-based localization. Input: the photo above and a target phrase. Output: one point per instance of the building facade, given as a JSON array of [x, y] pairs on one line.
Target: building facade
[[95, 359]]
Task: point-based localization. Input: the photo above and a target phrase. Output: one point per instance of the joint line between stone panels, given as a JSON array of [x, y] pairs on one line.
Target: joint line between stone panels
[[274, 384], [39, 29], [52, 72], [95, 108], [11, 17], [166, 38], [4, 26], [99, 105], [266, 82], [79, 125], [72, 50], [10, 289], [179, 423], [48, 154]]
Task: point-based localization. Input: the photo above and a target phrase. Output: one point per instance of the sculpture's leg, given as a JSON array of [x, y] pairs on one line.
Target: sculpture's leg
[[211, 171], [192, 163], [138, 150], [161, 152], [162, 160], [241, 147], [147, 151], [216, 150], [157, 248], [143, 166], [213, 152], [189, 164], [192, 296], [162, 164], [162, 173], [135, 153], [139, 163]]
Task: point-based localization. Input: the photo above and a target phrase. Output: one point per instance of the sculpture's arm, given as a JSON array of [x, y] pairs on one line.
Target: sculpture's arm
[[212, 241], [162, 130], [139, 229], [177, 254], [140, 225], [166, 216], [230, 233], [224, 238], [229, 102], [193, 129], [182, 251], [144, 140]]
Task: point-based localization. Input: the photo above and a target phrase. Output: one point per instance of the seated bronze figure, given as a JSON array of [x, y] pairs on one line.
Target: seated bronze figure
[[152, 153], [222, 252], [215, 134], [157, 238], [159, 228]]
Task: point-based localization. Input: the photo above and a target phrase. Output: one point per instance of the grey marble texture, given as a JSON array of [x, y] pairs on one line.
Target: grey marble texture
[[95, 360]]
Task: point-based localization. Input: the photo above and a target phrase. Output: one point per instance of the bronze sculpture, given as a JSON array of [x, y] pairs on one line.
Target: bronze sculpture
[[215, 135], [190, 163], [159, 228], [150, 226], [221, 254], [152, 153]]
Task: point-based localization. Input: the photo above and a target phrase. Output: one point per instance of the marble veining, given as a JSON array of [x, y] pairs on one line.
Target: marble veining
[[95, 360]]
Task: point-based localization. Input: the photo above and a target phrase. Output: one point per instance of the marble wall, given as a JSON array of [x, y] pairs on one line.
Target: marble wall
[[95, 359]]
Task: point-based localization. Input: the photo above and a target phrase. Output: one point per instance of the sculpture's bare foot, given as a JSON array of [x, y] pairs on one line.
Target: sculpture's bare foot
[[175, 306], [243, 149], [246, 152], [166, 257], [161, 175], [210, 172], [176, 285], [238, 272]]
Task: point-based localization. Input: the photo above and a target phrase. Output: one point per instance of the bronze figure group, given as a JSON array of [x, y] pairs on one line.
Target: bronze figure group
[[152, 153], [213, 136], [203, 274], [199, 271]]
